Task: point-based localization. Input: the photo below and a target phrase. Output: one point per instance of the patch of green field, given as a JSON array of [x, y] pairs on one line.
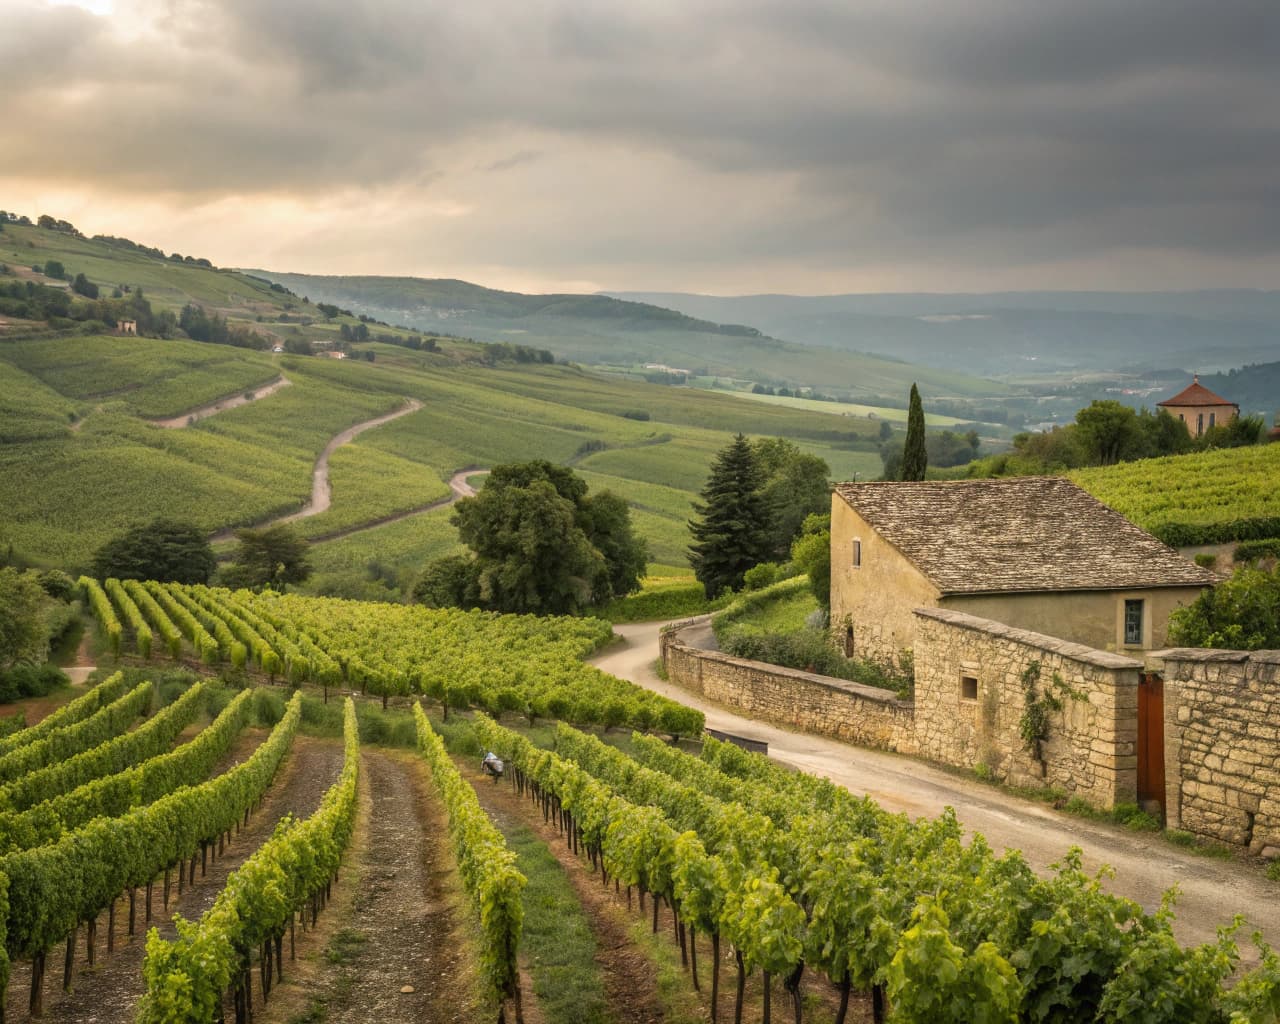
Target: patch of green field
[[557, 940], [367, 484], [64, 498], [149, 378], [398, 551], [164, 282], [783, 614], [873, 413], [30, 409], [1207, 497]]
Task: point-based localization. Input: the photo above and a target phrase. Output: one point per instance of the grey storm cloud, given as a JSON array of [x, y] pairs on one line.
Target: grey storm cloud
[[991, 129]]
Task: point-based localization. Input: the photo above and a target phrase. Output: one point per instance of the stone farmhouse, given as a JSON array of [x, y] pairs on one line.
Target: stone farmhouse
[[1005, 593], [1199, 408], [1035, 553]]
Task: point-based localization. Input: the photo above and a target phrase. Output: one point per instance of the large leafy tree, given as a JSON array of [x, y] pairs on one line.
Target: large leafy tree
[[794, 485], [23, 636], [731, 531], [539, 544], [271, 557], [915, 456], [163, 549]]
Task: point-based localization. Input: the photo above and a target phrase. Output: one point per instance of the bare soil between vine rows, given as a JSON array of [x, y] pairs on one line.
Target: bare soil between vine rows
[[109, 992], [392, 922]]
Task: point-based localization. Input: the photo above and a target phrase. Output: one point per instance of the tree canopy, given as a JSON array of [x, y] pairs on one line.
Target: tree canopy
[[539, 543], [915, 455], [23, 635], [794, 485], [163, 549], [732, 530], [274, 556], [1241, 613]]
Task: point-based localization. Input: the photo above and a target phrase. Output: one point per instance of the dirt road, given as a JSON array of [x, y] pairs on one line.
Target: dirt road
[[1145, 865], [457, 485], [222, 405], [321, 493]]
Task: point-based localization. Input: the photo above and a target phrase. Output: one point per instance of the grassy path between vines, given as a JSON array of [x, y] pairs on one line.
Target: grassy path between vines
[[632, 976], [644, 981], [394, 920], [108, 993]]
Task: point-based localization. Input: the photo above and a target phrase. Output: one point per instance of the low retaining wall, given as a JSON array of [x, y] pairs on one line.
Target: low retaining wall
[[971, 695], [1222, 744], [1221, 716], [848, 711]]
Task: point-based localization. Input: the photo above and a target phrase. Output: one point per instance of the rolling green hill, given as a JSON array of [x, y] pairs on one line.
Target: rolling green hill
[[605, 331], [80, 461]]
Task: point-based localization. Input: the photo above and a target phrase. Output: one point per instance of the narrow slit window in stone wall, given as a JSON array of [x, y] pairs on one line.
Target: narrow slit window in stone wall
[[857, 554]]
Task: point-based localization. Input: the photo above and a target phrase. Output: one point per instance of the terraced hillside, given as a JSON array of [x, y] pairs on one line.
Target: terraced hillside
[[81, 460]]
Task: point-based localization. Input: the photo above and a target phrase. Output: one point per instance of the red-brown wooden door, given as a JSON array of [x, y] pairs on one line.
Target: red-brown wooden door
[[1151, 739]]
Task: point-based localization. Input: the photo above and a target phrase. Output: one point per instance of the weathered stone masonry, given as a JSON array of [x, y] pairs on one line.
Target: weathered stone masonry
[[1222, 744], [1091, 748], [852, 712], [1090, 752], [1221, 717]]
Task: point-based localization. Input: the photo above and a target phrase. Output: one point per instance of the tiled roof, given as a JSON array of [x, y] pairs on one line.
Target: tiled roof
[[1021, 534], [1194, 394]]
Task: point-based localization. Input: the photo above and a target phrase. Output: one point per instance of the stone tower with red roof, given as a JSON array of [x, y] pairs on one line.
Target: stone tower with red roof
[[1199, 408]]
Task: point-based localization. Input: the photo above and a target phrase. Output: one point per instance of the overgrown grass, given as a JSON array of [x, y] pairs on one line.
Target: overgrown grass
[[557, 941], [674, 597]]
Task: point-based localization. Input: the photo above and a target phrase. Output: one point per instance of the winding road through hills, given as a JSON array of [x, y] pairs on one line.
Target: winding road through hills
[[321, 492], [185, 419], [1145, 865]]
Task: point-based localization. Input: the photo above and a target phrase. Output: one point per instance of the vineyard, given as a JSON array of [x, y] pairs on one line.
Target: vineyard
[[1203, 498], [777, 889]]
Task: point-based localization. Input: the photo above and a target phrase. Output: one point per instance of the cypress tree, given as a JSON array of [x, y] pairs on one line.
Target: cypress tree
[[731, 532], [915, 458]]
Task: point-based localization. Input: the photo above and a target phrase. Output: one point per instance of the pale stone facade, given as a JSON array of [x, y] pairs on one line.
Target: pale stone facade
[[1095, 618], [970, 697], [1222, 744], [873, 602], [1199, 408], [1037, 553]]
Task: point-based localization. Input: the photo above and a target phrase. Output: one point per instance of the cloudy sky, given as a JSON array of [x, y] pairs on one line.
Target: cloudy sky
[[697, 145]]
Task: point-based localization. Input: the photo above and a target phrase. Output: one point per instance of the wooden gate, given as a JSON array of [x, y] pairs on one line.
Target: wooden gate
[[1151, 740]]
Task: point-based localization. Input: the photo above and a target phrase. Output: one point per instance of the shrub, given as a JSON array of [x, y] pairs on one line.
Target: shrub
[[762, 575], [23, 681], [1241, 613]]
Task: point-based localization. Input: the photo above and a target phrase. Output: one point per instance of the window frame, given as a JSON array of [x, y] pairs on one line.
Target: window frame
[[1139, 605], [965, 680], [857, 553]]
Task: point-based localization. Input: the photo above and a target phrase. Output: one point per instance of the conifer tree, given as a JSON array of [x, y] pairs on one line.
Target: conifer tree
[[915, 458], [731, 531]]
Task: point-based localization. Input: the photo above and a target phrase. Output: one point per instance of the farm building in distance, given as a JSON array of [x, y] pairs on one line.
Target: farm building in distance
[[1199, 408], [1035, 553]]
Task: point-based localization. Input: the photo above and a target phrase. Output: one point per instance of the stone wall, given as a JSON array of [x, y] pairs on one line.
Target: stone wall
[[971, 697], [1222, 744], [859, 714], [1221, 716]]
